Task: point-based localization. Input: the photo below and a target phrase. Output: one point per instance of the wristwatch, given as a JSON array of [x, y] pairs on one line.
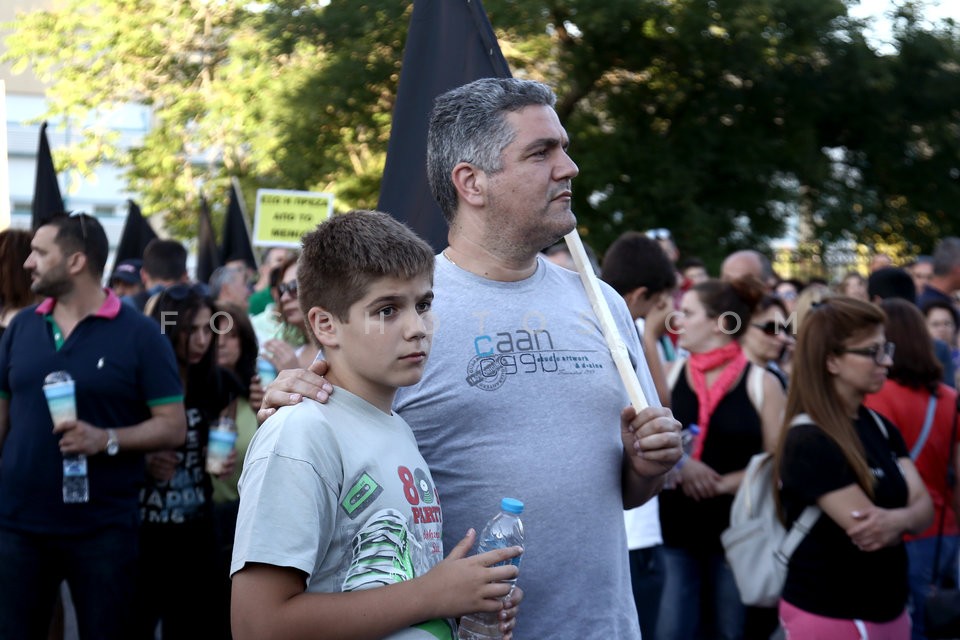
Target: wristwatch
[[113, 444]]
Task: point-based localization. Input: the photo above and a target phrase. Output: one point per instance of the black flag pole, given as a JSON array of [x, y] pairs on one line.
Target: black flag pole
[[208, 257], [47, 200], [449, 43], [236, 243]]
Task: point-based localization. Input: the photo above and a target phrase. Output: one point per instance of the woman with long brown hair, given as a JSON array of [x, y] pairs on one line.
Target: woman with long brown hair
[[848, 578], [915, 398]]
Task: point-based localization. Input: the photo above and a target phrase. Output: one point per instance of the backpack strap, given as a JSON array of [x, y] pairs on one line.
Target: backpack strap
[[925, 431], [801, 527]]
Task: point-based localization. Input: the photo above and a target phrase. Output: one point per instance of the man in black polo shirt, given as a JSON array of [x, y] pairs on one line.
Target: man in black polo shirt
[[129, 400]]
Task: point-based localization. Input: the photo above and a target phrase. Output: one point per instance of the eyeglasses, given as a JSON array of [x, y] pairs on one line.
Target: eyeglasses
[[771, 328], [287, 287], [658, 234], [180, 292], [83, 223], [878, 352]]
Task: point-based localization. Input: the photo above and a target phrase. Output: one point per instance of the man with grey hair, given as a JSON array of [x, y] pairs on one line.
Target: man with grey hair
[[520, 396], [498, 167], [945, 281], [229, 285]]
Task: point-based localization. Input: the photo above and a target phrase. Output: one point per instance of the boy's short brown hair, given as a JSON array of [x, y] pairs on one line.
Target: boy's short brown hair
[[342, 256]]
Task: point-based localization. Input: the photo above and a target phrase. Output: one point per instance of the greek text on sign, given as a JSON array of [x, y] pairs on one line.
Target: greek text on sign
[[282, 217]]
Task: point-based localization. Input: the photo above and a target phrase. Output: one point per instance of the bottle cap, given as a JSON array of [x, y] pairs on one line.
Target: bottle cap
[[694, 429], [511, 505]]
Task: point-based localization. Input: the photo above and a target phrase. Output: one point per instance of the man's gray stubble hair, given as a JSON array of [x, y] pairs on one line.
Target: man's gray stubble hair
[[468, 124]]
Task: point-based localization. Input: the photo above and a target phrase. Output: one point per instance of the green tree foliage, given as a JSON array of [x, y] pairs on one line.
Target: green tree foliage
[[716, 119]]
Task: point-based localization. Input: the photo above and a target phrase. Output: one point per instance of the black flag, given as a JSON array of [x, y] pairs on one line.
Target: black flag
[[208, 258], [236, 235], [137, 232], [449, 43], [47, 200]]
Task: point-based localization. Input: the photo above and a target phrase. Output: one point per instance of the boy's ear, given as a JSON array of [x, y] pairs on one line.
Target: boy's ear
[[324, 325]]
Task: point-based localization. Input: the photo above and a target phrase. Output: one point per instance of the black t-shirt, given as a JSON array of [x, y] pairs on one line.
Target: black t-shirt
[[188, 496], [733, 436], [828, 575]]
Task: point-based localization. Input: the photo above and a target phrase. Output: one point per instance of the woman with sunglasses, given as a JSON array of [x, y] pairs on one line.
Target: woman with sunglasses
[[915, 399], [738, 408], [848, 577], [180, 581], [769, 337], [290, 347]]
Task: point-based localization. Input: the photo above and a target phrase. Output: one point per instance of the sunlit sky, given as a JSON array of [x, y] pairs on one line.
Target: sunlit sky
[[878, 11]]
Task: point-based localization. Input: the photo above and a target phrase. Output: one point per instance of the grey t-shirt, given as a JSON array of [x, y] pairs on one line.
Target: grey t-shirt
[[521, 398], [340, 492]]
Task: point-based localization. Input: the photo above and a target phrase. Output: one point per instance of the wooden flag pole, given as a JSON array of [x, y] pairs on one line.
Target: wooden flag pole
[[618, 348]]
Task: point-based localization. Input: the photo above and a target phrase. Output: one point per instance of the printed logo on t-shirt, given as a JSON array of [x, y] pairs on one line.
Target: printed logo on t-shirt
[[360, 496], [388, 550], [524, 352], [181, 498], [390, 547], [421, 495], [383, 552]]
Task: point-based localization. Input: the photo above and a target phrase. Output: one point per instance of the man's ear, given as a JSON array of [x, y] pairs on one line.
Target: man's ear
[[77, 262], [470, 183], [324, 326], [637, 296]]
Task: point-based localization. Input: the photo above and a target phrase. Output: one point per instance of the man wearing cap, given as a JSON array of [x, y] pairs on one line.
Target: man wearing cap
[[125, 280]]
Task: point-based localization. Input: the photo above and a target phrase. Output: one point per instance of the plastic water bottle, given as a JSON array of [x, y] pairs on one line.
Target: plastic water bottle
[[688, 439], [266, 371], [503, 530], [76, 482], [58, 387]]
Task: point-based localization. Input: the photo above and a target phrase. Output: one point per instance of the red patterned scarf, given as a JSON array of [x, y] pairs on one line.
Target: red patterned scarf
[[731, 358]]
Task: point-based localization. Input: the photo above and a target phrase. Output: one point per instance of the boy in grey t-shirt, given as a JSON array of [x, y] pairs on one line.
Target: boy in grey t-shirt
[[340, 525]]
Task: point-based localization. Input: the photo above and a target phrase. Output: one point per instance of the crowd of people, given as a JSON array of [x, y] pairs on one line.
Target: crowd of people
[[474, 374]]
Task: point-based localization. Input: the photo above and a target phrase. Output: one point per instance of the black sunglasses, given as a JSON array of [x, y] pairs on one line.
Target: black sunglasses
[[771, 328], [287, 287], [83, 224]]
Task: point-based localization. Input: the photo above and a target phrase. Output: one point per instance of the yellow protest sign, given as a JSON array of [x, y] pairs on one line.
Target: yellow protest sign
[[282, 217]]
